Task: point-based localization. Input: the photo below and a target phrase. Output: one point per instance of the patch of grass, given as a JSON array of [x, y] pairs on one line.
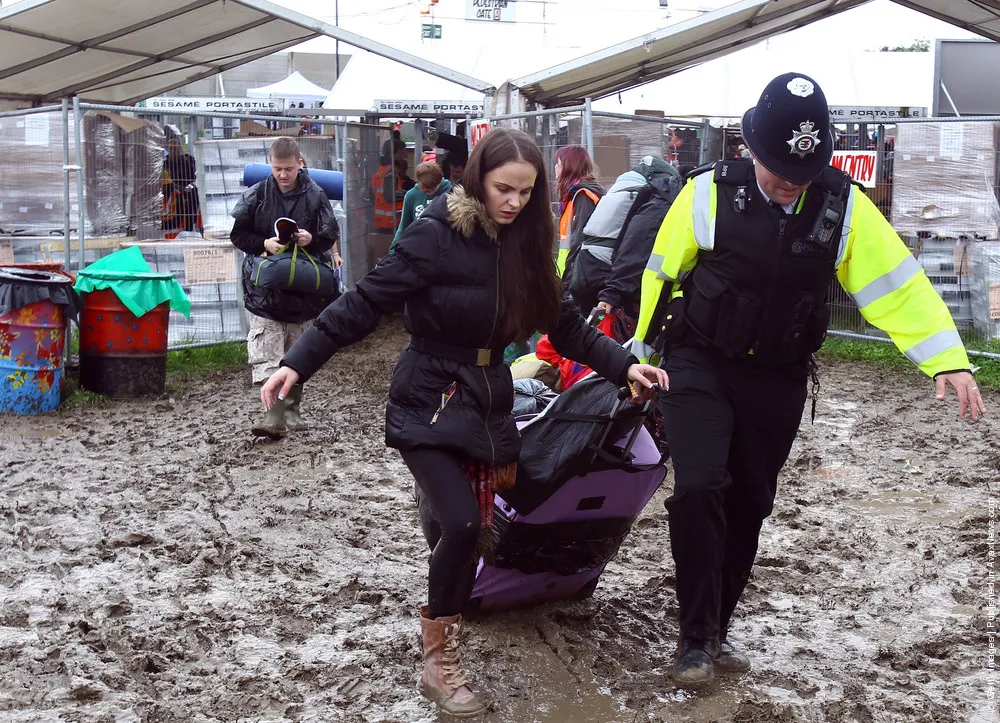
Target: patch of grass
[[76, 398], [874, 352], [207, 359]]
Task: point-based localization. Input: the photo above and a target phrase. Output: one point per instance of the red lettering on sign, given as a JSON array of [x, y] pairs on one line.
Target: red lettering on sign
[[479, 129], [859, 165]]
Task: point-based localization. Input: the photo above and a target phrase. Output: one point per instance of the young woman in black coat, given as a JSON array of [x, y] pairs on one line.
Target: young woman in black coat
[[475, 273]]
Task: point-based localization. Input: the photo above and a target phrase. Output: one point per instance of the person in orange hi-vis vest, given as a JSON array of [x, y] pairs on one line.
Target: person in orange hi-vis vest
[[578, 195]]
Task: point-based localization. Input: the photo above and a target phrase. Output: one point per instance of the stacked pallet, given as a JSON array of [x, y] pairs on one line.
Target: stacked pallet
[[985, 287], [944, 180], [947, 263]]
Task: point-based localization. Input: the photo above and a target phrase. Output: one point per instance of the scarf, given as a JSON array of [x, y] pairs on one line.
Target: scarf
[[485, 480]]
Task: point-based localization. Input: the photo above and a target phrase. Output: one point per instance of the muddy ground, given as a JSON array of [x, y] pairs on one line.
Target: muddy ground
[[161, 565]]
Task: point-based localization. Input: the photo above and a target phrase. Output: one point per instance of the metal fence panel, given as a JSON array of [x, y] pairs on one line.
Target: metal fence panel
[[362, 246], [620, 142], [935, 181], [220, 168], [937, 184]]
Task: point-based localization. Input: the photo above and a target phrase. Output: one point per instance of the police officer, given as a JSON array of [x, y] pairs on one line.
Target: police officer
[[734, 299]]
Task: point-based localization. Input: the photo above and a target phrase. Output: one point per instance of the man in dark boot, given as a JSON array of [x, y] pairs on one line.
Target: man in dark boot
[[277, 316], [695, 660], [443, 680], [293, 410], [731, 660], [273, 424]]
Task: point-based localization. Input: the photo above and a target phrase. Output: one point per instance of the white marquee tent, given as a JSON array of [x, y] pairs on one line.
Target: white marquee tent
[[727, 86], [296, 87], [368, 77]]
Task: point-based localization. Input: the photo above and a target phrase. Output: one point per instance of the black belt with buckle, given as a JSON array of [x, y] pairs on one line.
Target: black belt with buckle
[[460, 354]]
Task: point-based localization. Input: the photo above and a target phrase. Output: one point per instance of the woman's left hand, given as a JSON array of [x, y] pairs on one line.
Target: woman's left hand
[[337, 260], [645, 376]]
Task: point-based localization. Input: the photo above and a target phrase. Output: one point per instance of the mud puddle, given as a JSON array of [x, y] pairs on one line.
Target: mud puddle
[[161, 565]]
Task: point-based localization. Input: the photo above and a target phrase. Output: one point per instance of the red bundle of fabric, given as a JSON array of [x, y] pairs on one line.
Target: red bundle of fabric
[[570, 372]]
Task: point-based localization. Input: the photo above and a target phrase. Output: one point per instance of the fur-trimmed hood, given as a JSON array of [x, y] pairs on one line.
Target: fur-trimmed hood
[[465, 213]]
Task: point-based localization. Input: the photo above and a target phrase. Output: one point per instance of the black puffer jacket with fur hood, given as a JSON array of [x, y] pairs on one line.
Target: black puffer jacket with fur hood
[[445, 270]]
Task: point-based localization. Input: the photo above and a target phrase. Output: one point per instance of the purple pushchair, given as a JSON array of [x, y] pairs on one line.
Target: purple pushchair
[[587, 468]]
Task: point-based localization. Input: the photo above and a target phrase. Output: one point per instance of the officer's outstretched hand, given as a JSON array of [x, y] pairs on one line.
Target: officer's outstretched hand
[[278, 385], [969, 397], [644, 376]]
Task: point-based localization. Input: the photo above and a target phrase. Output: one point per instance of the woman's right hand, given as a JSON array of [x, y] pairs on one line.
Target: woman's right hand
[[278, 386], [273, 245]]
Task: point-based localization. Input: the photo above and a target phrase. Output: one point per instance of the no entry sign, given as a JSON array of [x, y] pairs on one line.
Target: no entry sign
[[859, 165]]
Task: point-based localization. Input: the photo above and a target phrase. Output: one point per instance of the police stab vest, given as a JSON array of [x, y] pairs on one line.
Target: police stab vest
[[761, 292]]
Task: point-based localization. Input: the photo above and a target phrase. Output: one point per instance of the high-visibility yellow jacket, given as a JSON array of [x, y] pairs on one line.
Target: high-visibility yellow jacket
[[873, 265]]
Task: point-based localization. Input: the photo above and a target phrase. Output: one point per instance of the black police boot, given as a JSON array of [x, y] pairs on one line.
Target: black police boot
[[731, 659], [695, 661]]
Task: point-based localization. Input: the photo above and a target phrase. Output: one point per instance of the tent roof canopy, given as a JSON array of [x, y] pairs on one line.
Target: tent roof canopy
[[296, 86], [675, 48], [977, 16], [121, 52]]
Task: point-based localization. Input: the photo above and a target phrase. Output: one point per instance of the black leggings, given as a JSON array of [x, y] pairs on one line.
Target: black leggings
[[448, 506]]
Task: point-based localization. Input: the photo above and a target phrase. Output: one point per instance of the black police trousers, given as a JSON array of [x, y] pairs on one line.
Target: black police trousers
[[729, 424]]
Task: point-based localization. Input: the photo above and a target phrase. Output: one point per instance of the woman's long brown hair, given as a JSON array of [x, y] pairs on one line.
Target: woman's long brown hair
[[530, 292]]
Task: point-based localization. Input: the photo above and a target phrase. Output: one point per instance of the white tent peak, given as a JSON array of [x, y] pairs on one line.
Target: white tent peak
[[295, 87]]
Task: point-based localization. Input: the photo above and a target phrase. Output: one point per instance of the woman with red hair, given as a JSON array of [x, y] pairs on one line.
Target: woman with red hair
[[578, 194]]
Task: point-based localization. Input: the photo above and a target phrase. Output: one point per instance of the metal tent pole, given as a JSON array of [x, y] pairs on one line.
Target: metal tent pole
[[81, 217], [588, 122], [67, 222]]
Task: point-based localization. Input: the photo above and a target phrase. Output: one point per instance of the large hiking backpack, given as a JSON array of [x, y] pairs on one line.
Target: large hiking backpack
[[603, 234], [593, 262]]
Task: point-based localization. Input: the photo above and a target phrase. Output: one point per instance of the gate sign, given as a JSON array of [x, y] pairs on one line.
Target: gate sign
[[501, 11], [859, 165], [479, 129], [874, 113], [230, 105]]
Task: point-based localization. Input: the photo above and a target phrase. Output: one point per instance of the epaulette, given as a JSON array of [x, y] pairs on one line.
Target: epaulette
[[835, 181], [735, 171], [699, 170]]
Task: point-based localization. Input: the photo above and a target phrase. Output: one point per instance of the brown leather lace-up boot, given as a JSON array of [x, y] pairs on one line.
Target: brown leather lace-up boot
[[443, 680]]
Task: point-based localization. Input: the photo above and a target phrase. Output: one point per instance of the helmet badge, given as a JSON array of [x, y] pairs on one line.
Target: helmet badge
[[804, 141], [800, 87]]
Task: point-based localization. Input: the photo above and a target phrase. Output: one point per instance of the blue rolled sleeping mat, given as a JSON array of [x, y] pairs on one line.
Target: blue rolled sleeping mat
[[332, 182]]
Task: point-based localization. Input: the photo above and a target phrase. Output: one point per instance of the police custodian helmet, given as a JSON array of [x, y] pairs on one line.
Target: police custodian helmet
[[788, 131]]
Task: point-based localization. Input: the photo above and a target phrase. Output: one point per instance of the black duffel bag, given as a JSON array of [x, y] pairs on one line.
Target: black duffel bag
[[295, 270]]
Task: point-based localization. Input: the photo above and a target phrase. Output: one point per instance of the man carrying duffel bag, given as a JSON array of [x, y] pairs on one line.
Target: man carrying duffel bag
[[287, 289]]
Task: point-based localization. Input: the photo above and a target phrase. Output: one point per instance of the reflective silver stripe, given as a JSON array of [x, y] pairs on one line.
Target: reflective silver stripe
[[383, 213], [887, 283], [930, 348], [845, 230], [655, 264], [641, 349], [704, 234], [601, 253], [564, 244]]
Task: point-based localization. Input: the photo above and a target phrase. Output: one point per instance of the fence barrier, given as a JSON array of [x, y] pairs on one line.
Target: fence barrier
[[82, 181]]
